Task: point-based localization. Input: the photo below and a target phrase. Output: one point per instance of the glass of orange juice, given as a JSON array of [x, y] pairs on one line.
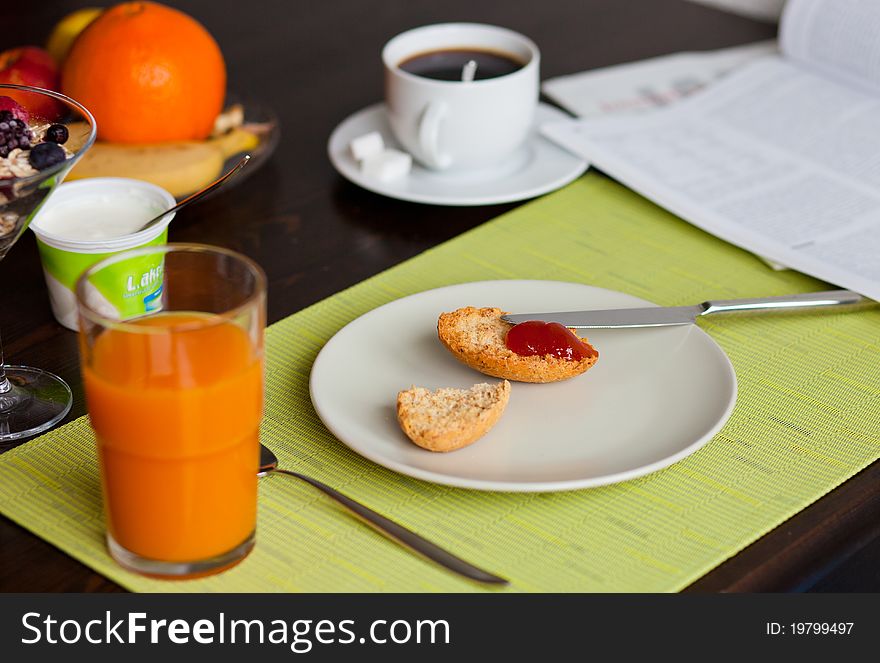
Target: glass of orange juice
[[174, 388]]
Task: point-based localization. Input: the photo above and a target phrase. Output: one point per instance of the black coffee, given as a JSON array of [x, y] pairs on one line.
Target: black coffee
[[447, 64]]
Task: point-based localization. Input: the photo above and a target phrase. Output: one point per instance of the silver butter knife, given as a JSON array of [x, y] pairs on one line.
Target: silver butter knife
[[659, 316]]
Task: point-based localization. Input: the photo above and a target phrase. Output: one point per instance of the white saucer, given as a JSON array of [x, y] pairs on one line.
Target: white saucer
[[654, 397], [538, 167]]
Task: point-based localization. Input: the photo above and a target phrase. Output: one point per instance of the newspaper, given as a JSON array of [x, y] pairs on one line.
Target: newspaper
[[648, 84], [781, 157], [763, 10]]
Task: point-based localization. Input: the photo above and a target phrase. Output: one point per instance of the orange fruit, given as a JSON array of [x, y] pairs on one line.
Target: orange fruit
[[148, 73]]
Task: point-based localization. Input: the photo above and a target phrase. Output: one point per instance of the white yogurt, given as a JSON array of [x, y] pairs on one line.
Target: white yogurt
[[99, 215]]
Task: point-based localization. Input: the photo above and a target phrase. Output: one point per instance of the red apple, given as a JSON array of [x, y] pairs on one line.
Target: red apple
[[30, 65]]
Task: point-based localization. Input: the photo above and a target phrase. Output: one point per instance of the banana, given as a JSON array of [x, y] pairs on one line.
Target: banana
[[235, 141], [180, 167]]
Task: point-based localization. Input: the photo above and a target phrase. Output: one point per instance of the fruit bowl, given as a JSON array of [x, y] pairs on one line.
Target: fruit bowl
[[183, 167], [21, 195]]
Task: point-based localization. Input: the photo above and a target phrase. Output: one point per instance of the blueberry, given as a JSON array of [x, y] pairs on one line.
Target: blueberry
[[46, 155], [56, 133], [13, 133]]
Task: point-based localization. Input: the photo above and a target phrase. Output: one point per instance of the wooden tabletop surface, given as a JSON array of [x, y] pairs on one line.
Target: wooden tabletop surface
[[315, 234]]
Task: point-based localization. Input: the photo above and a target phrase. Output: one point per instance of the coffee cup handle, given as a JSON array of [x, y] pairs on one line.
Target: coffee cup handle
[[429, 135]]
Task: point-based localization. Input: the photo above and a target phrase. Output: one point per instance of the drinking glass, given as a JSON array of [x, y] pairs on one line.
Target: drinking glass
[[175, 398], [32, 400]]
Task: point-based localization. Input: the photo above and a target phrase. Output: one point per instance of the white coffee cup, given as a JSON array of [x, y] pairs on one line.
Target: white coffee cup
[[454, 124]]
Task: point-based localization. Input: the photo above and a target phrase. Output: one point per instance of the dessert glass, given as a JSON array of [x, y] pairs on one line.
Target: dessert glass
[[32, 400]]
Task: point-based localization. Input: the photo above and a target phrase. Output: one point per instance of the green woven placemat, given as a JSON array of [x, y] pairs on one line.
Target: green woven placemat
[[807, 419]]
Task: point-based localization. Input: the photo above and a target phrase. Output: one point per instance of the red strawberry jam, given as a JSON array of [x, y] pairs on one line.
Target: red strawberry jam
[[547, 338]]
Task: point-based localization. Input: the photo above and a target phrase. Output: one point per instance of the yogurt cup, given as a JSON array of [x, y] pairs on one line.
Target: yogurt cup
[[88, 220]]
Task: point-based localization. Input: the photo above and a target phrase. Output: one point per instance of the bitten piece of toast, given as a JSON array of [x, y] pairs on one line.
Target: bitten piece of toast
[[476, 336], [448, 419]]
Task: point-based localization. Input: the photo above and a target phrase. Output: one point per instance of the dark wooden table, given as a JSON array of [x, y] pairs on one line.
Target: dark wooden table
[[315, 234]]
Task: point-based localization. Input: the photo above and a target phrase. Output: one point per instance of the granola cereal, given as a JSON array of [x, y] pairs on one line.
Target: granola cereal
[[8, 222], [17, 164]]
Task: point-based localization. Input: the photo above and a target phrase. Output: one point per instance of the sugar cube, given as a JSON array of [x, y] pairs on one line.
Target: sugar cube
[[387, 165], [367, 146]]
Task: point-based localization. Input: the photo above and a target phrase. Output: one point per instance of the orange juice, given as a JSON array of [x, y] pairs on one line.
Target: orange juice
[[176, 404]]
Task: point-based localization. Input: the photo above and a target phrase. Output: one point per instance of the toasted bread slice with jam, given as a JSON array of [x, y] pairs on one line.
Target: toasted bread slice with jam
[[476, 336]]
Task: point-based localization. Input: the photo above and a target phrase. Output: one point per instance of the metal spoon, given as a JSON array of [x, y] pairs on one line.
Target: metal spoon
[[198, 194], [386, 527]]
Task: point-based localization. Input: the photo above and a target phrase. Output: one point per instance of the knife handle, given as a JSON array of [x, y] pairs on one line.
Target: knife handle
[[808, 299]]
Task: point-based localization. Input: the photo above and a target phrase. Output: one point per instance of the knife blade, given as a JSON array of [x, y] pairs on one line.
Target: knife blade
[[659, 316], [654, 316]]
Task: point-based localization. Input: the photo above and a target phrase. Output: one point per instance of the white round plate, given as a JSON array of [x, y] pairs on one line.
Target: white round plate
[[538, 167], [655, 396]]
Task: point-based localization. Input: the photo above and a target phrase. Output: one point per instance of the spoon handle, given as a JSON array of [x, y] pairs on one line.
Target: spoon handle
[[401, 534], [216, 183], [198, 194]]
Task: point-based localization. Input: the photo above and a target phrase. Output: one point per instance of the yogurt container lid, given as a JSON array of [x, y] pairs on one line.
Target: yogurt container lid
[[150, 196]]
